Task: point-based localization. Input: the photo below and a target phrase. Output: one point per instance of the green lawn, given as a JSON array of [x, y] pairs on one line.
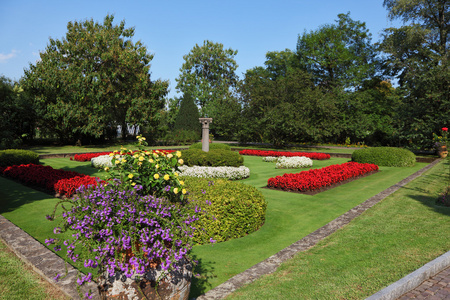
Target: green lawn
[[290, 216], [384, 244]]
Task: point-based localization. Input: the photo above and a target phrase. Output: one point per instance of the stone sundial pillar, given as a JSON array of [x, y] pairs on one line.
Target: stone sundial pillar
[[205, 133]]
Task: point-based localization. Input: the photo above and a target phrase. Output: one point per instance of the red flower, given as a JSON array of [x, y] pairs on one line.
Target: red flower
[[444, 129]]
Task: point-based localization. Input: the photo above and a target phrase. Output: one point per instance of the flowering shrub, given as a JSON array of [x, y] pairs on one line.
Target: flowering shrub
[[54, 180], [270, 158], [231, 173], [293, 162], [318, 178], [312, 155], [116, 230], [102, 161], [156, 171]]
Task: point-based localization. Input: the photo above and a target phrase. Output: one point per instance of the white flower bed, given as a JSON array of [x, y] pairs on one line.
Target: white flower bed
[[293, 162], [270, 159], [101, 161], [232, 173]]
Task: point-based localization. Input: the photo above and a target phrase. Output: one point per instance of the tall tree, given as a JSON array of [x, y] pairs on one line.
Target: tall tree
[[93, 80], [188, 116], [338, 55], [417, 54], [208, 74]]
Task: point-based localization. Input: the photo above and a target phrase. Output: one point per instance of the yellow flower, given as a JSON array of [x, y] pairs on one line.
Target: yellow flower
[[117, 156], [178, 153], [130, 176], [141, 158], [151, 160], [175, 190], [111, 154], [124, 160], [156, 176], [117, 162], [106, 169], [181, 182], [180, 161], [176, 174], [136, 155], [183, 191], [133, 183], [139, 164], [166, 177], [169, 155], [157, 166]]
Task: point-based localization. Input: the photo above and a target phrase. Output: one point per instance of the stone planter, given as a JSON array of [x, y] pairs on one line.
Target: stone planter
[[442, 152], [174, 286]]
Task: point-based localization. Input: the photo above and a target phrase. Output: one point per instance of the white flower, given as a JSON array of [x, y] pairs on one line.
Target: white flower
[[293, 162], [270, 159], [101, 161], [232, 173]]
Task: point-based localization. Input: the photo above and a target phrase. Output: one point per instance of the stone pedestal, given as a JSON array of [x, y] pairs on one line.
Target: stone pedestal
[[205, 133]]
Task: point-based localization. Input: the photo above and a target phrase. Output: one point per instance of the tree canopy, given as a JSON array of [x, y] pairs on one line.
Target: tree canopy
[[94, 79]]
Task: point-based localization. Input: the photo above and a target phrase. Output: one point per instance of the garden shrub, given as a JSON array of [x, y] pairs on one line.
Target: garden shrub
[[11, 157], [212, 158], [212, 146], [385, 156], [233, 209]]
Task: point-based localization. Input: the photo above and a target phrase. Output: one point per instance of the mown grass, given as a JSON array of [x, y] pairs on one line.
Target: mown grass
[[290, 216], [392, 239], [18, 281]]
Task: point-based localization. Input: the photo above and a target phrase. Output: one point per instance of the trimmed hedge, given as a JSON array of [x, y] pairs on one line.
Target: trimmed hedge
[[11, 157], [236, 209], [385, 156], [212, 158], [212, 146]]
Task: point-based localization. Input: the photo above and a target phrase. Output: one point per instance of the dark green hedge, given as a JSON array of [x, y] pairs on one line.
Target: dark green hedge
[[385, 156], [236, 209], [11, 157], [212, 146], [212, 158]]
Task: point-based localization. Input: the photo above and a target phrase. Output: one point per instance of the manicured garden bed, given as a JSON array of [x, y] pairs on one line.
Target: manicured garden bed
[[312, 155], [289, 217]]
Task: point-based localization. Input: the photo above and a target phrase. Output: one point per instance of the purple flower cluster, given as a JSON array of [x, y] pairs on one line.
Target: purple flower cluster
[[119, 229]]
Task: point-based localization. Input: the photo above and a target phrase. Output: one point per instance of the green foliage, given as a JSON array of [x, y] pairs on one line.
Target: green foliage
[[17, 115], [385, 156], [187, 116], [156, 172], [212, 158], [212, 146], [93, 80], [285, 108], [181, 137], [417, 55], [236, 209], [338, 55], [11, 157], [208, 75]]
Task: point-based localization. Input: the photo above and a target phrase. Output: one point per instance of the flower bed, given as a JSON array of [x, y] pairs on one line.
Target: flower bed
[[316, 179], [101, 161], [293, 162], [63, 182], [312, 155], [89, 156], [231, 173], [270, 159]]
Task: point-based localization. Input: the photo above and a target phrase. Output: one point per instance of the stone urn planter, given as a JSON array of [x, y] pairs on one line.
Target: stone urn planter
[[155, 284], [442, 152]]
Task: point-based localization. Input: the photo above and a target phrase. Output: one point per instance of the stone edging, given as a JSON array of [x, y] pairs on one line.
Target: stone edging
[[411, 281], [272, 263]]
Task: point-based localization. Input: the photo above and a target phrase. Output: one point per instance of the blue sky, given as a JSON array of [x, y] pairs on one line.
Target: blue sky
[[171, 28]]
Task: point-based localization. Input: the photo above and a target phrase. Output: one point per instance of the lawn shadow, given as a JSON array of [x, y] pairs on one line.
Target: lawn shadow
[[200, 284], [14, 195], [430, 201]]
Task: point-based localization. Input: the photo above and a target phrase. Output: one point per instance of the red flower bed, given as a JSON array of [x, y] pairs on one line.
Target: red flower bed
[[55, 180], [89, 156], [312, 155], [315, 179]]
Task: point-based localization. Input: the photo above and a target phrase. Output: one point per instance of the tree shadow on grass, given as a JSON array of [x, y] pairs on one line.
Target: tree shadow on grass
[[430, 201], [14, 195], [200, 284]]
